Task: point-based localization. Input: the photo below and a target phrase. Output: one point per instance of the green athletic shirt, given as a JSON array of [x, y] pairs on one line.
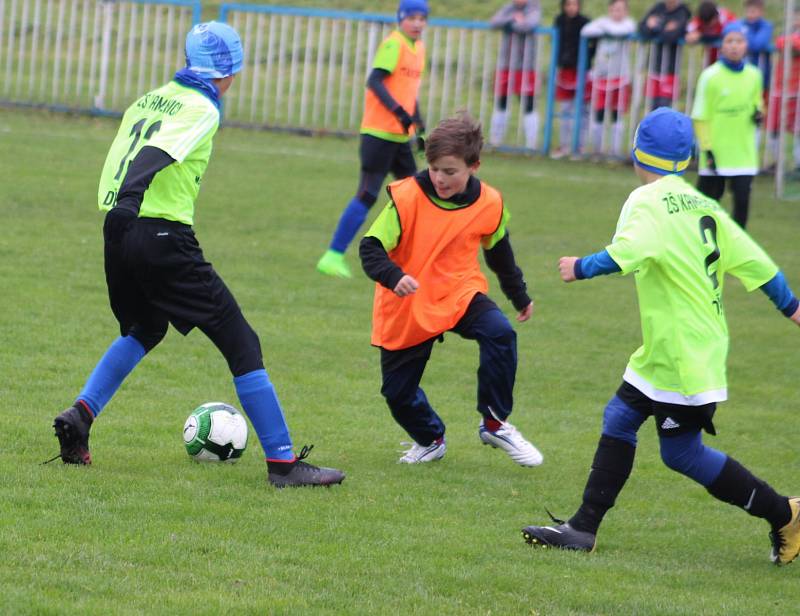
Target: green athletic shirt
[[680, 244], [726, 101], [386, 58], [386, 227], [178, 120]]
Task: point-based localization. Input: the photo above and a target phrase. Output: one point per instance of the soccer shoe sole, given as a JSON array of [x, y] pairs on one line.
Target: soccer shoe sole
[[70, 453], [285, 481], [532, 537]]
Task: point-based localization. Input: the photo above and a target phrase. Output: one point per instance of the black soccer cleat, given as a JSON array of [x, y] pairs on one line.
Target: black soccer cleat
[[72, 429], [298, 473], [562, 536]]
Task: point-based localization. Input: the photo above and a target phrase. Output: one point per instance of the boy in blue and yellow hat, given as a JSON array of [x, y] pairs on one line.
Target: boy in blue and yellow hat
[[156, 272], [679, 244]]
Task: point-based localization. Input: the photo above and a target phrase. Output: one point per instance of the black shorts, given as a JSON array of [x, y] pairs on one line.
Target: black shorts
[[157, 275], [671, 419], [379, 156]]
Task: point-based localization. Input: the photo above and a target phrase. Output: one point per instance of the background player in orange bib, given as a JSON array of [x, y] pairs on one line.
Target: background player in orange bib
[[391, 118]]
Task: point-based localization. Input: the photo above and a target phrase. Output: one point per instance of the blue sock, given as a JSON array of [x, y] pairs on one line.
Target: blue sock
[[260, 402], [109, 373], [350, 222]]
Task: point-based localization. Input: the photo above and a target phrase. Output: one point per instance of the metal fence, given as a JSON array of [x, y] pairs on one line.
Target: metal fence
[[89, 54], [611, 100], [306, 69]]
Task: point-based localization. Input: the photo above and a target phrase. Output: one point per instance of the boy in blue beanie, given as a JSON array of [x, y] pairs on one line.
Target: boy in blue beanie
[[679, 244], [391, 118], [155, 270]]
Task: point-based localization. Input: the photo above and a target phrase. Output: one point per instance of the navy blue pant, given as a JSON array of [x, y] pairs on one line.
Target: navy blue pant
[[402, 372]]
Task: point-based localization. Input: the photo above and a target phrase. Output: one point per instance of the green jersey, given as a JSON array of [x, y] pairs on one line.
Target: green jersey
[[680, 244], [726, 101], [178, 120]]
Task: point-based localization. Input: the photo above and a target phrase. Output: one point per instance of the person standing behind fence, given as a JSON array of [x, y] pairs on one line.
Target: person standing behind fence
[[727, 109], [391, 117], [665, 25], [568, 23], [516, 68], [786, 94], [611, 74], [759, 37], [705, 28]]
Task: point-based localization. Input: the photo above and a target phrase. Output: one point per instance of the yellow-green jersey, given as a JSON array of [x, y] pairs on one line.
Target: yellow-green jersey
[[725, 103], [680, 244], [178, 120]]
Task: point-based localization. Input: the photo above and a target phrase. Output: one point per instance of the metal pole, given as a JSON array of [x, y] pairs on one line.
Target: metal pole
[[788, 18]]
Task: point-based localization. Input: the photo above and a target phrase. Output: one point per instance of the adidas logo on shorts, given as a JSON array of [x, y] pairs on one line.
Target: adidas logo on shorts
[[670, 424]]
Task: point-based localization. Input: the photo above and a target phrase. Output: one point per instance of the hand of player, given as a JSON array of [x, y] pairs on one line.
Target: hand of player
[[710, 162], [525, 314], [402, 115], [653, 22], [116, 223], [796, 316], [758, 117], [420, 142], [693, 37], [566, 267], [407, 286]]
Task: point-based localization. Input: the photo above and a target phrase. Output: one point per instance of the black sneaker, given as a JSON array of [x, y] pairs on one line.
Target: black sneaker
[[298, 473], [562, 536], [72, 429]]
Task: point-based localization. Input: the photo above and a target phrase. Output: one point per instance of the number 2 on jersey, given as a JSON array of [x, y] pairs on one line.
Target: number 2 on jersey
[[708, 231]]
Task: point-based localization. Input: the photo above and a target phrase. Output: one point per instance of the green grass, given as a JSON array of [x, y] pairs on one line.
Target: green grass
[[145, 530]]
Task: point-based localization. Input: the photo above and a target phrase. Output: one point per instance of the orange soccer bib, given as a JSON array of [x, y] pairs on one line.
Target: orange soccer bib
[[403, 85], [439, 248]]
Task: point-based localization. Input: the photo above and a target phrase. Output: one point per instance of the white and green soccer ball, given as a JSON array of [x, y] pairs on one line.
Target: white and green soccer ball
[[215, 432]]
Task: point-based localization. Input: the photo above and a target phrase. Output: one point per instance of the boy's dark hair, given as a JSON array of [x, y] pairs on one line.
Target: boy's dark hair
[[758, 3], [564, 3], [460, 136], [610, 2], [707, 11]]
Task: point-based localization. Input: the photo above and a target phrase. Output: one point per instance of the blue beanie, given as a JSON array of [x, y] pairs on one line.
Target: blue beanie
[[406, 8], [213, 50], [664, 142], [735, 26]]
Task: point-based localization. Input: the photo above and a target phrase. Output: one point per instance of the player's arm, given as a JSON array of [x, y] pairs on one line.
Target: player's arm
[[383, 236], [144, 167], [499, 257], [531, 19], [503, 18], [777, 289], [384, 64], [583, 268], [701, 113]]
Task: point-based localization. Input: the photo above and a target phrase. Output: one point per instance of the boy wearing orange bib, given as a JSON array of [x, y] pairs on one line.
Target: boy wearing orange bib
[[422, 251], [391, 118]]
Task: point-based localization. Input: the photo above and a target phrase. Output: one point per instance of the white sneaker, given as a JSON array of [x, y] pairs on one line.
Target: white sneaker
[[509, 439], [423, 453]]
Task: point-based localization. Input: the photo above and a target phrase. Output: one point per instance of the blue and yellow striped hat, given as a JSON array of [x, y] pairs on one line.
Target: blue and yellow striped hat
[[664, 142]]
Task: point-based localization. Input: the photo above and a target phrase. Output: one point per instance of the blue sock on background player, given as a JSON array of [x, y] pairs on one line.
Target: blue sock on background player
[[350, 222], [260, 403], [109, 373]]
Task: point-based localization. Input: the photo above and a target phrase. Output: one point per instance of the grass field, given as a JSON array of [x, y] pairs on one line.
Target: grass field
[[145, 530]]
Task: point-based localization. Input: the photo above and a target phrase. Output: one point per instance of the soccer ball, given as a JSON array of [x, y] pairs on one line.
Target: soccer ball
[[215, 432]]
